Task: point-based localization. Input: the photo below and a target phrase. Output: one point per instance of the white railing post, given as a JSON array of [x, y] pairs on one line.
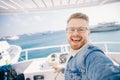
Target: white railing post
[[64, 48], [106, 48], [26, 55]]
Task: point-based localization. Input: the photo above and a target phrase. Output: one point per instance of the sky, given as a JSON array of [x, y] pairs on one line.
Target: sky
[[18, 24]]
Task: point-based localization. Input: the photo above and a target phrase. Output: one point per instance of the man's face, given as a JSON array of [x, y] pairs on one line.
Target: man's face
[[77, 33]]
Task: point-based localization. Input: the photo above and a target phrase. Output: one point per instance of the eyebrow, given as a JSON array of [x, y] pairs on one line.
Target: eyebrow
[[77, 27]]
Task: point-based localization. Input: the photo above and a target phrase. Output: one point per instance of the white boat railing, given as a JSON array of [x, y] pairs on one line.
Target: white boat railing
[[64, 48], [45, 47], [106, 44]]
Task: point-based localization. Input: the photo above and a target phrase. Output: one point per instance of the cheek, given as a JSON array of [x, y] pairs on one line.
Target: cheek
[[68, 36]]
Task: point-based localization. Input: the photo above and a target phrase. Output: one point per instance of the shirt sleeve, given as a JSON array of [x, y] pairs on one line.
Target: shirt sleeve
[[100, 67]]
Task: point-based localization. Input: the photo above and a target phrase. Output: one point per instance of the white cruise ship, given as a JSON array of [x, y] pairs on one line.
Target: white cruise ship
[[109, 26]]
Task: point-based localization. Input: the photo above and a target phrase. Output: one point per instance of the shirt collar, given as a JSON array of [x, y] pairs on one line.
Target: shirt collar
[[74, 52]]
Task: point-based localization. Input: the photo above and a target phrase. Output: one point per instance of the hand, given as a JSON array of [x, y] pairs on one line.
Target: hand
[[57, 69]]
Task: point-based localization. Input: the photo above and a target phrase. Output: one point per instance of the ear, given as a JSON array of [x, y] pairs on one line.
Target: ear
[[88, 32]]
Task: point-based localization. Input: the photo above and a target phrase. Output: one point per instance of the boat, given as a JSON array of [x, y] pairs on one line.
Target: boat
[[10, 37], [109, 26], [9, 54]]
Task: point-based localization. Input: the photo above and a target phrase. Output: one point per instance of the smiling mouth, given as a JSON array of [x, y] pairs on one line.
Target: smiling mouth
[[76, 40]]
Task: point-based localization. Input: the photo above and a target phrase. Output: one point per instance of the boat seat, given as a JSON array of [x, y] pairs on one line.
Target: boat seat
[[14, 52], [9, 54], [4, 57], [4, 45]]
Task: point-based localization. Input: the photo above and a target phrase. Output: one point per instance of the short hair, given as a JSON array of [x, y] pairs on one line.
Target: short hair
[[78, 16]]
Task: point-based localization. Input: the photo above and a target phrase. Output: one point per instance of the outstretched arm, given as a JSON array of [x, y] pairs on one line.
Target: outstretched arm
[[100, 67]]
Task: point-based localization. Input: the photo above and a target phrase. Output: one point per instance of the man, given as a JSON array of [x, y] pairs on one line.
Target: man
[[86, 62]]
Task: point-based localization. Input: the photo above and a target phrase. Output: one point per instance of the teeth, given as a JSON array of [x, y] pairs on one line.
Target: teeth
[[76, 38]]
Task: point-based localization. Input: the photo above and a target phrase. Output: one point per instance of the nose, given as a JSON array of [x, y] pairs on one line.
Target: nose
[[76, 32]]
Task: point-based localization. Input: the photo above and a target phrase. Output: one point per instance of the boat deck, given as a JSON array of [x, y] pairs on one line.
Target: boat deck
[[37, 67]]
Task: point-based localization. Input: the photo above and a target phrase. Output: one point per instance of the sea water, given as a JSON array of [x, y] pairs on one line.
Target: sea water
[[57, 38]]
